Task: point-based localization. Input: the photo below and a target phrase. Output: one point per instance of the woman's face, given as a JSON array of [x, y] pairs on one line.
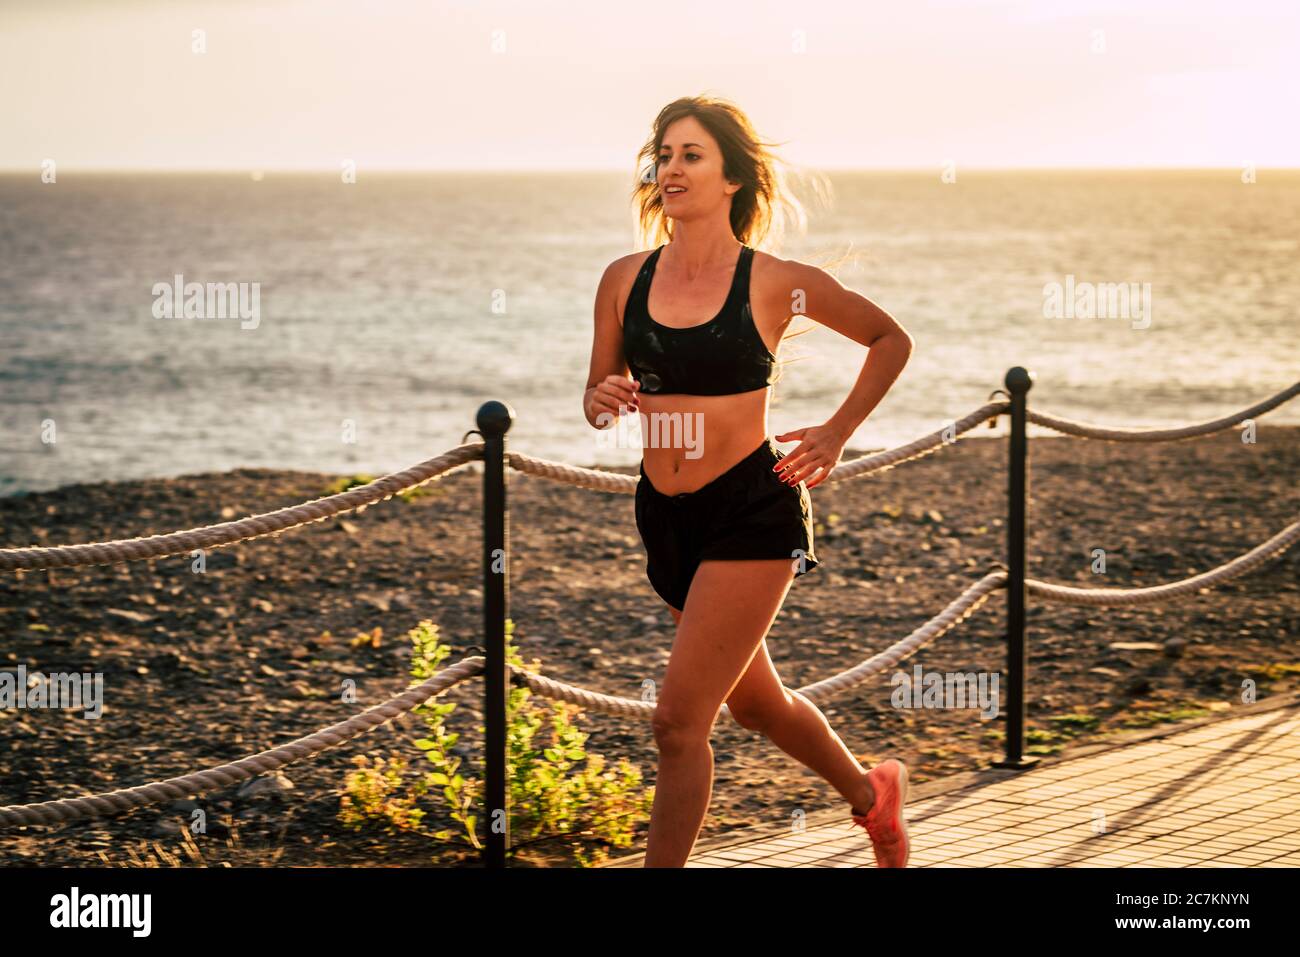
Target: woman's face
[[689, 171]]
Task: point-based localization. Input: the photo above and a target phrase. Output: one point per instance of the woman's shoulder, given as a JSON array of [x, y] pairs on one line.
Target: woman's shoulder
[[621, 273], [774, 272], [632, 261]]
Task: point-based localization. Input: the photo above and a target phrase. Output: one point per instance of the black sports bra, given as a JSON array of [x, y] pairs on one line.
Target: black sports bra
[[723, 356]]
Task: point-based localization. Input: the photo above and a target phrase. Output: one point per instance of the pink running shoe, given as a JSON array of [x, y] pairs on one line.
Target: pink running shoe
[[884, 820]]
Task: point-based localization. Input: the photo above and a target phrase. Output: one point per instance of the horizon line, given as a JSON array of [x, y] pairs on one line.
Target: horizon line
[[804, 168]]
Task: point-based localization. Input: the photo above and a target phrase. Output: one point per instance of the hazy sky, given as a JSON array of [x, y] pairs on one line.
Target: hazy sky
[[490, 84]]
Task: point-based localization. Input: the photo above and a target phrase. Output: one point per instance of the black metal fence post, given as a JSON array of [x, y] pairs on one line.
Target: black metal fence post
[[1018, 382], [494, 419]]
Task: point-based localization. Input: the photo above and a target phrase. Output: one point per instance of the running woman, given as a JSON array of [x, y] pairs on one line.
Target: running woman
[[725, 516]]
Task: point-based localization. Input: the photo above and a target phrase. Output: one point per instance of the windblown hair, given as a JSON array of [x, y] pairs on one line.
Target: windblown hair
[[764, 206]]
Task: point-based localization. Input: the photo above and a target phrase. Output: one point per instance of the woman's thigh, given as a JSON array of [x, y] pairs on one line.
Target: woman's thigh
[[759, 692], [727, 614], [759, 689]]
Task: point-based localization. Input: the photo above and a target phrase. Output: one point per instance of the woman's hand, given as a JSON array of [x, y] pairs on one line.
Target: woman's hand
[[820, 447], [611, 397]]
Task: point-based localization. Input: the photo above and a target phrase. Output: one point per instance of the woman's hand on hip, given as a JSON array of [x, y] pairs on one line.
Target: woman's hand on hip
[[819, 449]]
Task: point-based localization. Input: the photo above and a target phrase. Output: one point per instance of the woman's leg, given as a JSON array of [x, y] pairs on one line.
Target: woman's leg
[[730, 607], [795, 725]]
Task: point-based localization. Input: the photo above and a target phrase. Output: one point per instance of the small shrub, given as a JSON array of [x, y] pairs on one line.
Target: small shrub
[[345, 482], [556, 787]]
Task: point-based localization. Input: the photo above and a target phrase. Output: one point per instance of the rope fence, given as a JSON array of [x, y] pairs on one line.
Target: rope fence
[[1084, 431], [602, 480], [271, 523], [254, 526]]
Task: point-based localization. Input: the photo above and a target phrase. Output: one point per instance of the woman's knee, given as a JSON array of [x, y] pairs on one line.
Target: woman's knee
[[759, 697], [748, 717], [676, 727], [757, 715]]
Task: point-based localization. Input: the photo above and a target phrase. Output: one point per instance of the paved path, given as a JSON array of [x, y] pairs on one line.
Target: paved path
[[1222, 792]]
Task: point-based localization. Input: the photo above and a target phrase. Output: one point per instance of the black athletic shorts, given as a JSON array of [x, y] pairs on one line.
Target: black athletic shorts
[[746, 512]]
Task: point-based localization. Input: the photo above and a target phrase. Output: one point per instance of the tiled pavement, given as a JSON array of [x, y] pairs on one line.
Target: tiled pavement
[[1222, 792]]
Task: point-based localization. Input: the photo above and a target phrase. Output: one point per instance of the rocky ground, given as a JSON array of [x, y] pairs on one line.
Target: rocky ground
[[202, 669]]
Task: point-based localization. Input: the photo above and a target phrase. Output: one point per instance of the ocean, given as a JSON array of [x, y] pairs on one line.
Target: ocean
[[390, 309]]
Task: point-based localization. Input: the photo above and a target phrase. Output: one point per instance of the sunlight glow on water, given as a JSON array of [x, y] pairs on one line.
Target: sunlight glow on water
[[377, 307]]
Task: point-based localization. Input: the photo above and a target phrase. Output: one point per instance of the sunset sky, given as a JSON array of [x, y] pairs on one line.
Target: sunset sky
[[477, 84]]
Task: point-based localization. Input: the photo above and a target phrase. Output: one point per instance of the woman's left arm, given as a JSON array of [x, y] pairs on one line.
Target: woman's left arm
[[889, 346]]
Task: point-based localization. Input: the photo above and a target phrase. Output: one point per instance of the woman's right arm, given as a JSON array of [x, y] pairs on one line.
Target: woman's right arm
[[610, 391]]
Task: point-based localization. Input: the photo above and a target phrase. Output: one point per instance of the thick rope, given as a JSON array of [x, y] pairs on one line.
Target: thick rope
[[887, 459], [270, 523], [1084, 430], [1142, 596], [960, 608], [115, 802], [68, 809], [603, 480], [957, 610], [255, 526], [600, 480]]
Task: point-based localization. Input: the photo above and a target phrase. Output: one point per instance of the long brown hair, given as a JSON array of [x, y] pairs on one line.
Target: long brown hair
[[764, 206]]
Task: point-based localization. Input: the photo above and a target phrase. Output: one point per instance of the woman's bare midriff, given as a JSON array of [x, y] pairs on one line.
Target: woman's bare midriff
[[689, 440]]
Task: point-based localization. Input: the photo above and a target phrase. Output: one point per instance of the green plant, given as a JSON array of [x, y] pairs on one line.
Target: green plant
[[1075, 723], [555, 786], [420, 491], [1039, 741], [345, 482], [369, 639], [1274, 671], [1148, 719], [373, 794]]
